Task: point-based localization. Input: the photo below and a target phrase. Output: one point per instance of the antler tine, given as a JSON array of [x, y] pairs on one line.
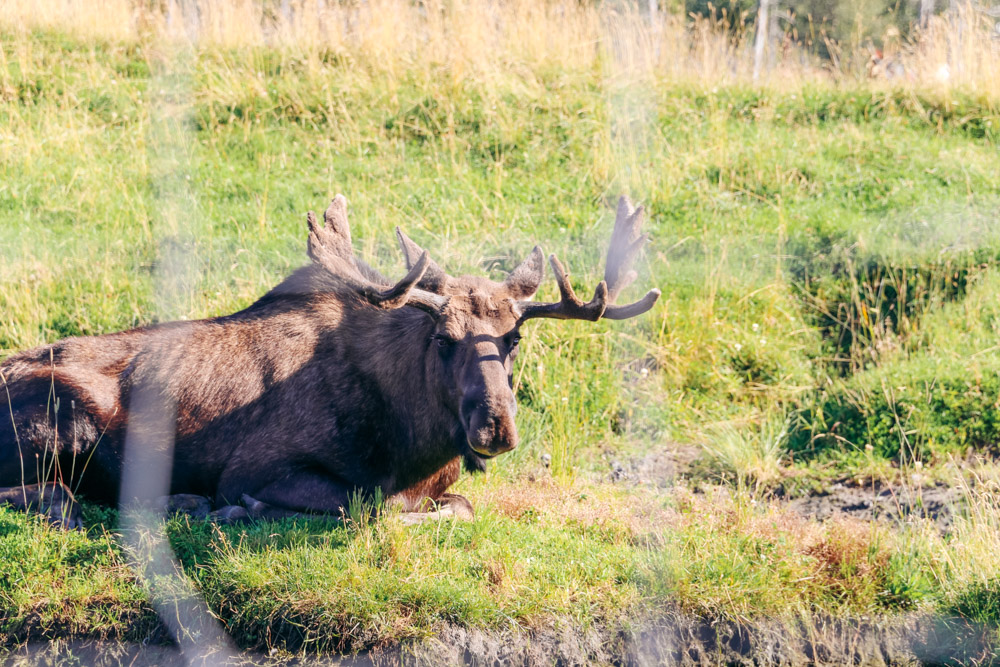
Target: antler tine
[[326, 248], [397, 295], [404, 292], [626, 243], [330, 247], [336, 231], [434, 278], [569, 307], [633, 309]]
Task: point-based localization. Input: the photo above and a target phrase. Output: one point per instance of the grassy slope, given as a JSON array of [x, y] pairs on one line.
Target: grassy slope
[[743, 187]]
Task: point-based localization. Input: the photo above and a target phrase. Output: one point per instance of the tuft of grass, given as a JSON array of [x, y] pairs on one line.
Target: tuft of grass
[[749, 454], [980, 604]]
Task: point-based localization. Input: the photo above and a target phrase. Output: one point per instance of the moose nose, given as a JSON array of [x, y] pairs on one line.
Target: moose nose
[[489, 432]]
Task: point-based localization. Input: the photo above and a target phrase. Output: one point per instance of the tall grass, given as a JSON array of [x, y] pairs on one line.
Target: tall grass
[[748, 453], [958, 49]]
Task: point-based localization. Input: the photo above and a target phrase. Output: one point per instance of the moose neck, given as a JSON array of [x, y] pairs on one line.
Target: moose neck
[[391, 348]]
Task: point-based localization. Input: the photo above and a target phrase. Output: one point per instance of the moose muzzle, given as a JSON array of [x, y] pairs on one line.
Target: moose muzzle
[[488, 409], [491, 434]]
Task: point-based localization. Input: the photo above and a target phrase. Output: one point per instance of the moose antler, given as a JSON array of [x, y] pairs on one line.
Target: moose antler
[[626, 242], [330, 247]]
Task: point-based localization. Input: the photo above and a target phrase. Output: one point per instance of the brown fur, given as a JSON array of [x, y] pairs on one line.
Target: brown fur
[[323, 389]]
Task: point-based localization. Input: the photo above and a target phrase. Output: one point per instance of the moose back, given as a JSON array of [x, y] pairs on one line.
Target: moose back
[[337, 382]]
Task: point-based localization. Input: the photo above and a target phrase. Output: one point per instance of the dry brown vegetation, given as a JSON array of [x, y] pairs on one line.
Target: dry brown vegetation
[[479, 38]]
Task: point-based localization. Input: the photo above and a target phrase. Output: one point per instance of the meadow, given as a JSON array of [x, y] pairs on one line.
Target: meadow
[[827, 245]]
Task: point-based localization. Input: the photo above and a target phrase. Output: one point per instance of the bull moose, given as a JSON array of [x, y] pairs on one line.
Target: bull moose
[[336, 382]]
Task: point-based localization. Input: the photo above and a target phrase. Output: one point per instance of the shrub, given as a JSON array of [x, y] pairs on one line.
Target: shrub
[[863, 294], [909, 410]]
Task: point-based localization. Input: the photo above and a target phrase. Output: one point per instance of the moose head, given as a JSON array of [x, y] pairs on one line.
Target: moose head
[[475, 322]]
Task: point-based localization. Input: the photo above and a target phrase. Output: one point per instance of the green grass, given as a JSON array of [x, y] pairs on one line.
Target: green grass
[[319, 586], [785, 223]]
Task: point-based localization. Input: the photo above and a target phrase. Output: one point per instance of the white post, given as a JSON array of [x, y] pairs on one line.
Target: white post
[[170, 17], [926, 11], [956, 54], [763, 28]]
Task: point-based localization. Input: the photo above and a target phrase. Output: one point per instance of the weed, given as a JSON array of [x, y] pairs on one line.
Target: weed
[[748, 453]]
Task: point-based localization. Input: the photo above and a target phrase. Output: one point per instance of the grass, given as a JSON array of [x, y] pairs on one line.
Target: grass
[[310, 585], [748, 454], [581, 554], [827, 249]]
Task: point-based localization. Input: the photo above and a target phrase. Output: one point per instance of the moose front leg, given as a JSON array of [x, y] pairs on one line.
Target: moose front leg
[[52, 500], [428, 500], [314, 493], [295, 494], [446, 505]]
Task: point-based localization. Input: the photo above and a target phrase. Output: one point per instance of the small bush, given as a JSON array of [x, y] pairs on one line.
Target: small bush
[[865, 300], [979, 603], [906, 411]]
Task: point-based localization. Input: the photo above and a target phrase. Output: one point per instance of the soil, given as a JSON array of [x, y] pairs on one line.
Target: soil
[[673, 639], [896, 504], [659, 468], [892, 503]]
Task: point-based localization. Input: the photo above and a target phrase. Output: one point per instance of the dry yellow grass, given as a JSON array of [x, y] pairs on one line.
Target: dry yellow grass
[[479, 37], [633, 513]]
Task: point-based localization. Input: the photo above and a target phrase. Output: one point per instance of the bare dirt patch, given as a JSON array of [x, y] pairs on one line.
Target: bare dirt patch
[[660, 467], [671, 639], [893, 503]]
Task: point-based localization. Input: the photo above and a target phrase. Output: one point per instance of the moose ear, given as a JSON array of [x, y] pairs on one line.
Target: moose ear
[[434, 277], [523, 282]]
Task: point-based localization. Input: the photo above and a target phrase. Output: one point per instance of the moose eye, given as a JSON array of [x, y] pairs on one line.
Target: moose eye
[[442, 341]]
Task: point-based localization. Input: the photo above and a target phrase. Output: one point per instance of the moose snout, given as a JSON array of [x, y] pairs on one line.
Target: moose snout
[[490, 431]]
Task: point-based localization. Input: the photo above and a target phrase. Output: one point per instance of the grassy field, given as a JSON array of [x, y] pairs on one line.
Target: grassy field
[[827, 247]]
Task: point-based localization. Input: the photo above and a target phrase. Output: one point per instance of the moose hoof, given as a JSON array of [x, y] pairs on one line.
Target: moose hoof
[[196, 507], [229, 515], [460, 506], [449, 505], [261, 510]]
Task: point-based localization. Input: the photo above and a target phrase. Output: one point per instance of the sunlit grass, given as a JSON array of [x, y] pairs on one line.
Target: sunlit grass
[[478, 38], [771, 207]]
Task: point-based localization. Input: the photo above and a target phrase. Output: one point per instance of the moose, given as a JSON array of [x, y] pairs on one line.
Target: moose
[[335, 383]]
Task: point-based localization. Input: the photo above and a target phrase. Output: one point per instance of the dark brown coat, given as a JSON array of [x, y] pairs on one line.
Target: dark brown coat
[[334, 383]]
